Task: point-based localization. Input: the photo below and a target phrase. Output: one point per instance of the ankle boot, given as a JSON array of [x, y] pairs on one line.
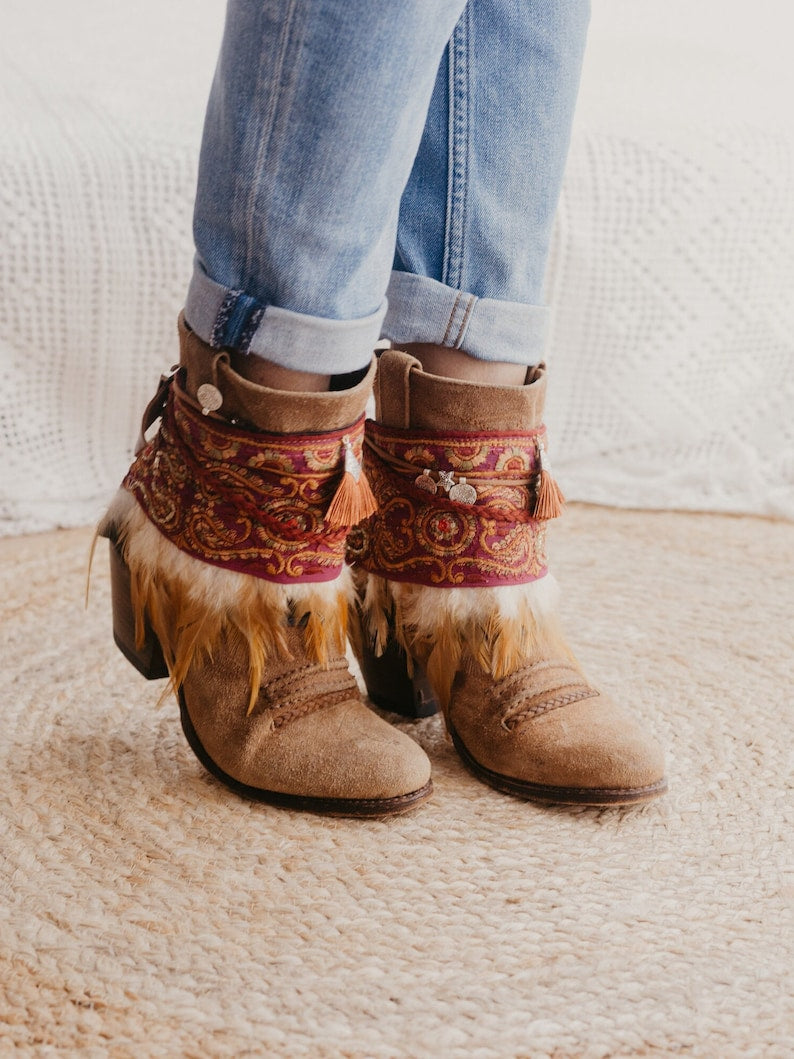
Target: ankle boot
[[227, 547], [456, 605]]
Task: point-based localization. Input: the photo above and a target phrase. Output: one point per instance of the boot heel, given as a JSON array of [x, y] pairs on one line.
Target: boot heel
[[390, 687], [147, 659]]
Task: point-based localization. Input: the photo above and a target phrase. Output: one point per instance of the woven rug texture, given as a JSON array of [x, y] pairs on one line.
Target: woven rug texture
[[146, 911]]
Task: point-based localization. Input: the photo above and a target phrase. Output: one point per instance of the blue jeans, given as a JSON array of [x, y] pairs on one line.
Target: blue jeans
[[383, 169]]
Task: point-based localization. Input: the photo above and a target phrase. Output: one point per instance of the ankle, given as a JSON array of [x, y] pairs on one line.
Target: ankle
[[265, 373], [457, 364]]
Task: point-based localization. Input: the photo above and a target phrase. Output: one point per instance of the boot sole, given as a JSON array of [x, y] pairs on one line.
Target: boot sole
[[539, 792], [351, 807]]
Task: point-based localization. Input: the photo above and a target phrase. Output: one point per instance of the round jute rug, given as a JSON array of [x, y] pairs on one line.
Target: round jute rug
[[146, 911]]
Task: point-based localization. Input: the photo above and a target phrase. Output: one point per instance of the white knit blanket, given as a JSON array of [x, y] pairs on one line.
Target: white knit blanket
[[671, 349]]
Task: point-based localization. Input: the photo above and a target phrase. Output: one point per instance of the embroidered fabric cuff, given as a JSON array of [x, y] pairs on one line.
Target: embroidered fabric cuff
[[252, 502], [454, 509]]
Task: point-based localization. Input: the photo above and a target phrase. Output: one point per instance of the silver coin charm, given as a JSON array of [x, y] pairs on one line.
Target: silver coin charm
[[425, 481], [463, 493], [209, 397]]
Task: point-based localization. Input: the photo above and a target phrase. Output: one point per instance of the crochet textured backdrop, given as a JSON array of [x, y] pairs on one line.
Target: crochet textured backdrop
[[671, 349]]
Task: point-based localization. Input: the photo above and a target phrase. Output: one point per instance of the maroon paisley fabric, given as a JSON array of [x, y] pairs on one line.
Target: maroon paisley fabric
[[429, 538], [247, 501]]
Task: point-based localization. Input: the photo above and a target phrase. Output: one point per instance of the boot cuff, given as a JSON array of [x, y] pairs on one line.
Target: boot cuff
[[454, 509], [248, 501]]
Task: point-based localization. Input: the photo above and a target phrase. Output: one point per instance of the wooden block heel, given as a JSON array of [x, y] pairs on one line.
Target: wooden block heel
[[390, 687], [148, 658]]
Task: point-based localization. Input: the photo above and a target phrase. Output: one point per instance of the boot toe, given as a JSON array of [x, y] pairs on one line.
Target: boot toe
[[342, 754], [590, 752], [354, 754], [614, 753]]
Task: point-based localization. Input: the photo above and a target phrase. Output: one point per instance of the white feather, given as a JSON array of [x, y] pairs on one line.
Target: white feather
[[216, 589]]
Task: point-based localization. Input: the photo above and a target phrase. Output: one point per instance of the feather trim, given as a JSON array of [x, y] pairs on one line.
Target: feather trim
[[497, 629], [193, 606]]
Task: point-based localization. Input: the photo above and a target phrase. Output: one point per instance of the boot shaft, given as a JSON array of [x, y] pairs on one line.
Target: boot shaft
[[209, 376], [407, 397], [458, 470]]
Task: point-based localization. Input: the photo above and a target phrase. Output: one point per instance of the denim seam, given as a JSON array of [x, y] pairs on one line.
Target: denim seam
[[222, 318], [451, 318], [465, 321], [248, 332], [458, 152], [266, 129], [236, 321]]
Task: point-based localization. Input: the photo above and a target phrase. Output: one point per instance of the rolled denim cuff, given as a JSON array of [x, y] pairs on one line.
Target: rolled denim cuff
[[421, 309], [230, 319]]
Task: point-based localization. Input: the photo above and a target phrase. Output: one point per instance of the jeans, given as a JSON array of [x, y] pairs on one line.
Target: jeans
[[383, 170]]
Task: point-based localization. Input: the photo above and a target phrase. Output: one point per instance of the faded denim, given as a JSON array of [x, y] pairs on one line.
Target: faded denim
[[361, 157]]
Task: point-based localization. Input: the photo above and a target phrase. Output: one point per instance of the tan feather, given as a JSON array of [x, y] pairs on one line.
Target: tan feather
[[500, 629], [193, 606]]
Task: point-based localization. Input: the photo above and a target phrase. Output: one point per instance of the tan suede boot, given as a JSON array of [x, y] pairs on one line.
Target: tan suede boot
[[227, 548], [454, 589]]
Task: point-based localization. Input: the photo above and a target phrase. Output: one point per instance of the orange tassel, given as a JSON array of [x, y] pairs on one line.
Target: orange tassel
[[353, 500], [549, 500]]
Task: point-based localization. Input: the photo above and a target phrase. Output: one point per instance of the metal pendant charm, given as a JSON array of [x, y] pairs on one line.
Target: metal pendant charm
[[463, 493], [446, 479], [425, 482], [209, 397], [352, 465]]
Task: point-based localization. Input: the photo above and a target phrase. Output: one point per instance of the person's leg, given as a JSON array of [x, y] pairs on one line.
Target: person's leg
[[228, 535], [455, 555], [314, 120], [476, 217]]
